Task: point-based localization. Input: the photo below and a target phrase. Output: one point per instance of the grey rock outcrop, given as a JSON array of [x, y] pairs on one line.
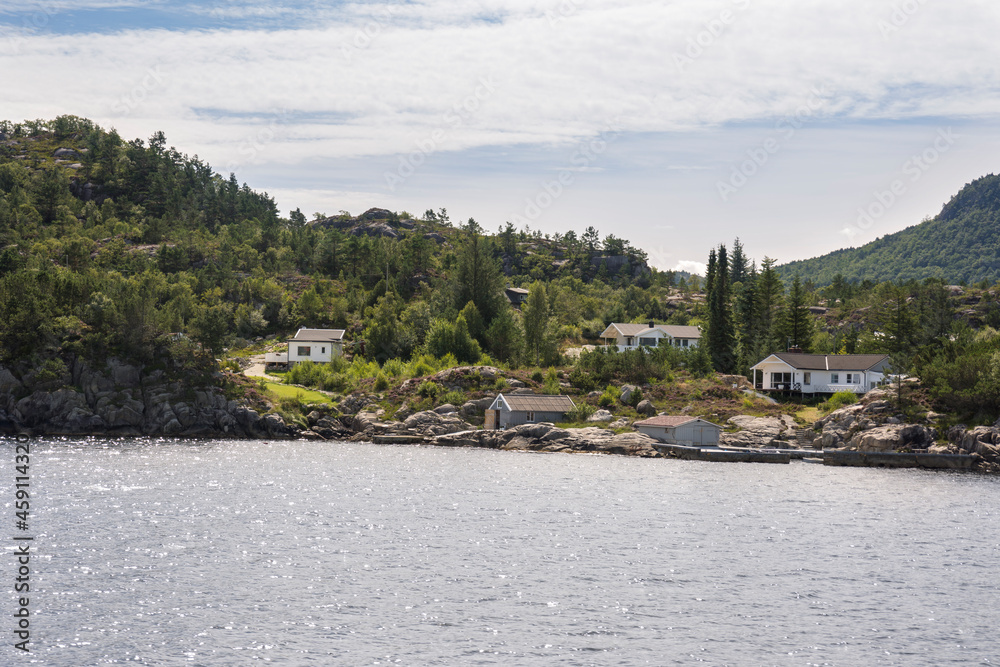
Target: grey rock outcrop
[[756, 432], [982, 441], [122, 399]]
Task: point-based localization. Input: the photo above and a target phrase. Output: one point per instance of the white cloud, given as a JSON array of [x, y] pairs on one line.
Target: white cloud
[[376, 82], [697, 268]]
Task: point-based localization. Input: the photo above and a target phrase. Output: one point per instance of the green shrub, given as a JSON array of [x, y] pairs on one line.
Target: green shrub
[[428, 389], [394, 368], [381, 382], [551, 385], [609, 397], [421, 366], [839, 400], [581, 412], [454, 397], [500, 384], [582, 380], [537, 376], [635, 398]]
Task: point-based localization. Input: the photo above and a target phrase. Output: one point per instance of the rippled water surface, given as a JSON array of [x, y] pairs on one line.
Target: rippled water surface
[[237, 553]]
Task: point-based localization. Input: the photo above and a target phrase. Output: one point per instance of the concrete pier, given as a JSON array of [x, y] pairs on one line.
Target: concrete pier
[[839, 457], [723, 455]]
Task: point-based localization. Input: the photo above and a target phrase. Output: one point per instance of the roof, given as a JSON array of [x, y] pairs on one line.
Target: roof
[[538, 403], [831, 362], [670, 421], [672, 330], [517, 290], [320, 335]]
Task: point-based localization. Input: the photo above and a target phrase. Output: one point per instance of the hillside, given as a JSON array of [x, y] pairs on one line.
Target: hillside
[[961, 244]]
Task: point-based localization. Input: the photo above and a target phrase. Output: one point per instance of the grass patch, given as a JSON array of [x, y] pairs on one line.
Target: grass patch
[[809, 415], [297, 393]]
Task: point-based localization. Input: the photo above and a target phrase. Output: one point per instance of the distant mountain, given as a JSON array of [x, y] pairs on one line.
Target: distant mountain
[[961, 244]]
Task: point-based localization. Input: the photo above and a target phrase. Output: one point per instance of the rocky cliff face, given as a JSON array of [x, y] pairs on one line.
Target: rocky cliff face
[[122, 399]]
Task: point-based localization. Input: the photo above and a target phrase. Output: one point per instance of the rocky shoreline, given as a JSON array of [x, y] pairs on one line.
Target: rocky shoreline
[[120, 400]]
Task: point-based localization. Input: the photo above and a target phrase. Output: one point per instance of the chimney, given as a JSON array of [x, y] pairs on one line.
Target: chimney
[[795, 349], [651, 325]]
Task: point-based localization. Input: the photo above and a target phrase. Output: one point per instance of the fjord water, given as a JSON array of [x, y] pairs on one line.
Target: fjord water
[[302, 553]]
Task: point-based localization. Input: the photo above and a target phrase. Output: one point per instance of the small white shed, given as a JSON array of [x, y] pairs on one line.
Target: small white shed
[[680, 430]]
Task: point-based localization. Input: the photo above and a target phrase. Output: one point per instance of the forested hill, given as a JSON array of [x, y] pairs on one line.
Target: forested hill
[[115, 247], [961, 244]]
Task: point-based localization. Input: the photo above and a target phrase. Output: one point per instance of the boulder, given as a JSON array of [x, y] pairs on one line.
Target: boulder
[[446, 409], [881, 439], [646, 407], [431, 424], [8, 383], [757, 432], [601, 416], [626, 393]]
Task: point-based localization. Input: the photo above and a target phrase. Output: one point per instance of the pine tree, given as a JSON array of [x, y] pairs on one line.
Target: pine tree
[[797, 324], [536, 321], [720, 335], [478, 278], [769, 297], [737, 264]]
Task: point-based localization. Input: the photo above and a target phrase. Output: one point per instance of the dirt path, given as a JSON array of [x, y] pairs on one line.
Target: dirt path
[[256, 368]]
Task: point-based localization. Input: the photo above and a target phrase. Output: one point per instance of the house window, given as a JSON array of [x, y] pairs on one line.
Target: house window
[[834, 378], [648, 342], [807, 378], [628, 341], [854, 378], [781, 381], [305, 350], [322, 350], [529, 416]]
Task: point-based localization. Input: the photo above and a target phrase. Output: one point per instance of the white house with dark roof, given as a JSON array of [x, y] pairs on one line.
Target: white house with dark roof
[[516, 409], [820, 373], [680, 430], [317, 345], [635, 336]]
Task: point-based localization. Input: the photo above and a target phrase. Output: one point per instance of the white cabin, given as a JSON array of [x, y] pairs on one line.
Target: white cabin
[[820, 373], [635, 336]]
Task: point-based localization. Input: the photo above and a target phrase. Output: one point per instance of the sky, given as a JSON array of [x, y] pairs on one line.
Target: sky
[[798, 127]]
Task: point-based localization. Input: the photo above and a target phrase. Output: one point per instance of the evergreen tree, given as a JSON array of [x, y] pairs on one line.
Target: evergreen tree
[[797, 325], [478, 278], [504, 337], [769, 297], [536, 321], [738, 264], [720, 335]]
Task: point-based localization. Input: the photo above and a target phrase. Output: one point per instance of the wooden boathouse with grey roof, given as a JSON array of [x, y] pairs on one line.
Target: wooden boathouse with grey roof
[[516, 409]]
